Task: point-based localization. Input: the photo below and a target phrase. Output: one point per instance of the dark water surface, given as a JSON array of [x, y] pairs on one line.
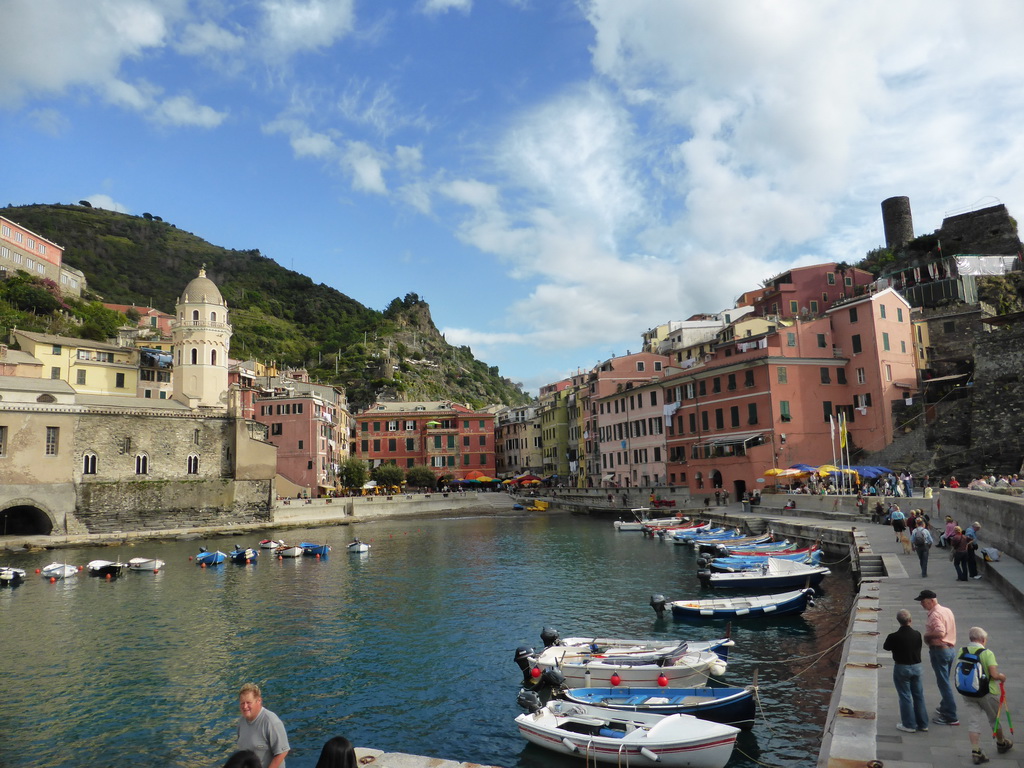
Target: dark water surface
[[406, 649]]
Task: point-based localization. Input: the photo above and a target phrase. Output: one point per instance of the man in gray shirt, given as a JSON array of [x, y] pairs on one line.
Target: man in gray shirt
[[261, 730]]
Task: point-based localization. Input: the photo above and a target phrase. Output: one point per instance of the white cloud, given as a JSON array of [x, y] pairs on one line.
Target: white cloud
[[84, 43], [49, 122], [367, 167], [107, 203], [443, 6], [182, 110], [198, 39], [301, 25]]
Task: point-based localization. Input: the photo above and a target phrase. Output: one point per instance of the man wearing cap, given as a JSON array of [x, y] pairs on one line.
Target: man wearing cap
[[940, 637], [972, 546]]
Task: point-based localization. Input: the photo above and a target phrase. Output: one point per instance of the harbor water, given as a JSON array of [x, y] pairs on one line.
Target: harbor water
[[407, 648]]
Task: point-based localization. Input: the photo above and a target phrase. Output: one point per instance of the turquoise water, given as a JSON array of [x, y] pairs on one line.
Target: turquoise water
[[406, 649]]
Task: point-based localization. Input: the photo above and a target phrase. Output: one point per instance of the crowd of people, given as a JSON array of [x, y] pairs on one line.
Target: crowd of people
[[981, 704], [263, 741]]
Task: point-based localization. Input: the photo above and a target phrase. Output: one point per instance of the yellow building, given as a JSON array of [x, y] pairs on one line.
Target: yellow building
[[90, 367]]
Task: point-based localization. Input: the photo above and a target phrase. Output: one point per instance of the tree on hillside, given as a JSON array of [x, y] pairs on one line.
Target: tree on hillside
[[388, 475], [421, 477]]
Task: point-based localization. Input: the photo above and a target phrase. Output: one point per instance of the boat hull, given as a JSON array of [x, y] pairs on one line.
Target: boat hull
[[680, 741], [288, 551], [11, 577], [785, 604], [358, 547], [145, 564], [211, 558], [731, 706], [58, 571], [104, 568]]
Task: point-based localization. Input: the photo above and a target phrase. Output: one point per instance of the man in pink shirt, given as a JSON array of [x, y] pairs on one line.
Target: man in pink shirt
[[940, 637]]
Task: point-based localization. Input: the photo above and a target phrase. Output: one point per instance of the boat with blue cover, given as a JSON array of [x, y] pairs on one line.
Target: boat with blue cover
[[735, 563], [751, 542], [790, 603], [315, 550], [730, 705], [774, 575], [205, 557], [243, 555]]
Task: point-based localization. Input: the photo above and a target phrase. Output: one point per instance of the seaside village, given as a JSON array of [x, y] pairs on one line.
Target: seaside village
[[164, 419]]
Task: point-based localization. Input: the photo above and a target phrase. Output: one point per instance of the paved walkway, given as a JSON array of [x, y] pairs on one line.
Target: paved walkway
[[974, 603]]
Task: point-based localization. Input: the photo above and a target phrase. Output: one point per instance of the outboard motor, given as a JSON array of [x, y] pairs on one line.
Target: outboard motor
[[549, 637], [658, 603], [552, 677], [529, 700], [523, 658], [703, 561]]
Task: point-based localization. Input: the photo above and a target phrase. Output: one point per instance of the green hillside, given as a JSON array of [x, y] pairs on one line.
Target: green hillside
[[277, 314]]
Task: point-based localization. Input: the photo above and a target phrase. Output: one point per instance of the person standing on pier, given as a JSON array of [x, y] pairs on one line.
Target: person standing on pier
[[922, 541], [940, 636], [986, 706], [261, 730], [905, 645]]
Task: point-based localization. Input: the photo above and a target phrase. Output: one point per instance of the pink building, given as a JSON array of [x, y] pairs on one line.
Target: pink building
[[771, 400], [631, 435], [809, 291], [149, 319]]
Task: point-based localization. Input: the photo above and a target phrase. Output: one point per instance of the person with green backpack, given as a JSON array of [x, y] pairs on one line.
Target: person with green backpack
[[977, 679]]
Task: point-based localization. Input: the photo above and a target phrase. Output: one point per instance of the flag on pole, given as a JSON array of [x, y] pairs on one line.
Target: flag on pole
[[832, 427], [842, 430]]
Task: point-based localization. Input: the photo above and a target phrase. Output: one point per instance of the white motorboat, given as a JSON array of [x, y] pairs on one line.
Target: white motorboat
[[58, 571], [627, 738], [588, 662], [145, 564], [358, 546], [288, 551]]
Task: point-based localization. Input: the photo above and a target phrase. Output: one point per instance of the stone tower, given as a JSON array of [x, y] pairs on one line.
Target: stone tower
[[897, 222], [202, 337]]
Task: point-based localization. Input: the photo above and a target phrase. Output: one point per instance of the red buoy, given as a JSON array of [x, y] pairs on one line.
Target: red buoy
[[535, 673], [108, 576], [662, 681], [39, 570], [53, 580], [616, 680]]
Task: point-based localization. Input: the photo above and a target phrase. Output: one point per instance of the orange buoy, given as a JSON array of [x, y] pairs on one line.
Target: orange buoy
[[108, 575], [53, 580], [39, 570]]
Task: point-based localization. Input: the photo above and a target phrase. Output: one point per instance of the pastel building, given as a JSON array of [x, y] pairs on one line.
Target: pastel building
[[22, 250], [772, 399], [450, 438], [517, 442], [90, 367], [631, 435], [810, 291]]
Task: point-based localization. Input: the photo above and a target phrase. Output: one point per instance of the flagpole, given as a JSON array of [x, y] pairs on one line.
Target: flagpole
[[832, 437]]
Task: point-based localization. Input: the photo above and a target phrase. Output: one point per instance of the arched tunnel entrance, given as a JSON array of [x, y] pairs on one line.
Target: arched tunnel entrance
[[25, 520]]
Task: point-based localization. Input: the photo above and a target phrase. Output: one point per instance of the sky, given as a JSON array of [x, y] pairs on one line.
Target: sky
[[553, 177]]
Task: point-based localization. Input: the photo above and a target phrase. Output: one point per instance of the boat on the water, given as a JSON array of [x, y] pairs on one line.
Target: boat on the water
[[288, 550], [782, 604], [734, 563], [775, 574], [271, 543], [358, 546], [104, 568], [205, 557], [711, 547], [728, 705], [58, 571], [243, 555], [11, 577], [146, 564], [586, 662], [625, 738], [315, 550]]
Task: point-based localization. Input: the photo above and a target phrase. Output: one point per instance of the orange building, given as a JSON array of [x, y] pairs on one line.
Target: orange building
[[450, 438], [809, 291]]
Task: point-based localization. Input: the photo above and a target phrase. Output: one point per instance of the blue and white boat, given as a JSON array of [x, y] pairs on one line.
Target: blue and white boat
[[315, 550], [57, 571], [243, 555], [735, 563], [728, 705], [775, 575], [784, 604], [11, 576], [205, 557], [752, 542]]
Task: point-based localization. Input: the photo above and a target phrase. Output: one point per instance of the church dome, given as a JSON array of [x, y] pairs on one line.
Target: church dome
[[201, 290]]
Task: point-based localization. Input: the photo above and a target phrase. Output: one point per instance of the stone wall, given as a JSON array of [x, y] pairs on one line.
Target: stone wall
[[998, 407], [999, 517], [105, 507]]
